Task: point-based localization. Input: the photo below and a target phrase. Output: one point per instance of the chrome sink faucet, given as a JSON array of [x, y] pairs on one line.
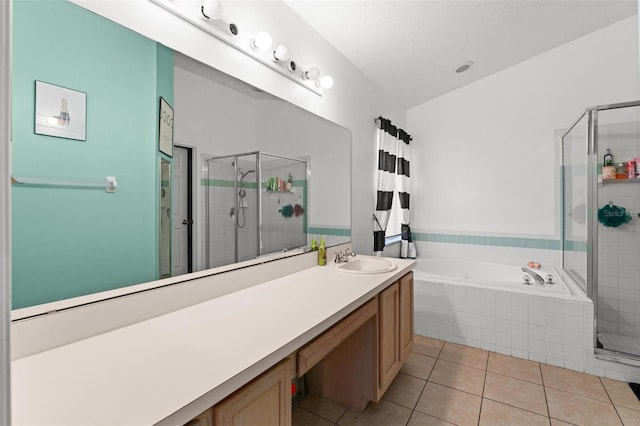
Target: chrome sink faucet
[[533, 275], [343, 256]]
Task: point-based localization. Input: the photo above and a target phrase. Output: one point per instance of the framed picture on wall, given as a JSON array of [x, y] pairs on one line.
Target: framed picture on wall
[[165, 135], [60, 112]]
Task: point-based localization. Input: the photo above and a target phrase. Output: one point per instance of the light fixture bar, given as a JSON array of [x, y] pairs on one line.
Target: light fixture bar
[[174, 8]]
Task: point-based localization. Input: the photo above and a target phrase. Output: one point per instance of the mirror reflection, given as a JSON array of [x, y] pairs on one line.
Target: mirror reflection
[[249, 174]]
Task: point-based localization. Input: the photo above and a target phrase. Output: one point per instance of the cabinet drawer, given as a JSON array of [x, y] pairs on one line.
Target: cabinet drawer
[[315, 351]]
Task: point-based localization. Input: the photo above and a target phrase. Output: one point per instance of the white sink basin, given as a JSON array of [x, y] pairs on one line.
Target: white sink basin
[[365, 266]]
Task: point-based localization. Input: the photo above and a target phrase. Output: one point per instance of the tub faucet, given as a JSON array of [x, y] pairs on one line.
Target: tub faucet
[[533, 275]]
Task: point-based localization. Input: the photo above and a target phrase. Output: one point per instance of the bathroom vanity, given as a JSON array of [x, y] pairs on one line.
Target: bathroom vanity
[[230, 359]]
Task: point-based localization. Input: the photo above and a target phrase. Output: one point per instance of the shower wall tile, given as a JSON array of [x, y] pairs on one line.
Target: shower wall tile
[[619, 248]]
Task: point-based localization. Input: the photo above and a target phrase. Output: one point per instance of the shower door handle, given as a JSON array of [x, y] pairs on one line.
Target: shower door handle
[[187, 222]]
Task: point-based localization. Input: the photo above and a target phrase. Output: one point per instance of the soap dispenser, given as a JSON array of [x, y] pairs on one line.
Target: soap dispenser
[[322, 253]]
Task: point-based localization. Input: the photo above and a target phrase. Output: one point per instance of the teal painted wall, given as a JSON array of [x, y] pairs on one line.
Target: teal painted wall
[[164, 88], [71, 242]]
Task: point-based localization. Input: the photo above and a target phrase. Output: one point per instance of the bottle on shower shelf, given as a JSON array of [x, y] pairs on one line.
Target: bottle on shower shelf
[[621, 171], [289, 184], [608, 158]]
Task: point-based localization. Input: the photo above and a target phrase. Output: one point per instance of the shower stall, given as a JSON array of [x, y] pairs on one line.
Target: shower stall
[[255, 204], [601, 223]]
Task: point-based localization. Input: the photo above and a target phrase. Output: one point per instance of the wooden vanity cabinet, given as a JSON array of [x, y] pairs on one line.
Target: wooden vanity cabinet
[[265, 401], [353, 362], [395, 330], [406, 317]]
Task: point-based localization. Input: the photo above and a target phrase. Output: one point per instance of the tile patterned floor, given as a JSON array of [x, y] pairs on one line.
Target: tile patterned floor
[[445, 384]]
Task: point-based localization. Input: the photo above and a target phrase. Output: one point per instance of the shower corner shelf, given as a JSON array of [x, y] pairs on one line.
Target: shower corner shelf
[[603, 182], [271, 191]]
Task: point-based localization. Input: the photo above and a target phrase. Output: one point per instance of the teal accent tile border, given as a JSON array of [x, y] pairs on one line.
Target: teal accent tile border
[[484, 240], [225, 183], [329, 231], [230, 183]]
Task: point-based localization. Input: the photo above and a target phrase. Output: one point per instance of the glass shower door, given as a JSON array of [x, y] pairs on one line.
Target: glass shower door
[[232, 209], [618, 241], [220, 224], [574, 197]]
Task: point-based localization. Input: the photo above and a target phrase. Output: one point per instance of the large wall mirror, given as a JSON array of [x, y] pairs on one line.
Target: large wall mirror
[[251, 175]]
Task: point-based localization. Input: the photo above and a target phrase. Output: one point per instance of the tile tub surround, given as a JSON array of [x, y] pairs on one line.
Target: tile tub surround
[[554, 331], [502, 390], [527, 326]]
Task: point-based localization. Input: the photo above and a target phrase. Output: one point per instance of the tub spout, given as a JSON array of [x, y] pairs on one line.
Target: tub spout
[[533, 275]]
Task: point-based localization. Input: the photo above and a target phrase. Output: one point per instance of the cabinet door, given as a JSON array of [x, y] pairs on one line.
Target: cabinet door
[[406, 316], [388, 336], [264, 401]]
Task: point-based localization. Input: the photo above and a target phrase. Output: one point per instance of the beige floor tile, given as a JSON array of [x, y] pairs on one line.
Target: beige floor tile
[[427, 346], [323, 407], [573, 381], [448, 404], [301, 417], [518, 393], [419, 366], [518, 368], [496, 414], [620, 393], [384, 413], [629, 416], [580, 410], [421, 419], [405, 390], [472, 357], [458, 376], [556, 422]]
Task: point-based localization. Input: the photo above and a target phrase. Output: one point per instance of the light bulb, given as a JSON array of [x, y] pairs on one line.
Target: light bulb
[[281, 53], [326, 82], [262, 41], [212, 9], [311, 74]]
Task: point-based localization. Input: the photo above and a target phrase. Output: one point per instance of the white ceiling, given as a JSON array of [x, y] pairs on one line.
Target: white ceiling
[[411, 48]]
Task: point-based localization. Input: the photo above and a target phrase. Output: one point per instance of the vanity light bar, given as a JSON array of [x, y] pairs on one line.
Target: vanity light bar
[[208, 18]]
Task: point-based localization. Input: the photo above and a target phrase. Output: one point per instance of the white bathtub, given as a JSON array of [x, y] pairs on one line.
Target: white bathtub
[[494, 276], [486, 305]]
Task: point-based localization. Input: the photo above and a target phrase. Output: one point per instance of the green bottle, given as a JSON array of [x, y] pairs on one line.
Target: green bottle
[[322, 253], [314, 244]]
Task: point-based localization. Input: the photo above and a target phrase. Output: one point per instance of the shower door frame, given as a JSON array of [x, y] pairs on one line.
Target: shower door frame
[[591, 143]]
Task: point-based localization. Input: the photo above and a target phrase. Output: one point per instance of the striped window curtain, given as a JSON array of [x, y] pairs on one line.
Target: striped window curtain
[[387, 142], [408, 248]]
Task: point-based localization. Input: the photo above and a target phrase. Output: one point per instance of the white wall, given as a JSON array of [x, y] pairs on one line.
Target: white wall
[[485, 157], [353, 102], [317, 142]]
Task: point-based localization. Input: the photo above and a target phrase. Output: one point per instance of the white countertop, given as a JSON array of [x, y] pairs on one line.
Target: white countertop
[[170, 368]]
